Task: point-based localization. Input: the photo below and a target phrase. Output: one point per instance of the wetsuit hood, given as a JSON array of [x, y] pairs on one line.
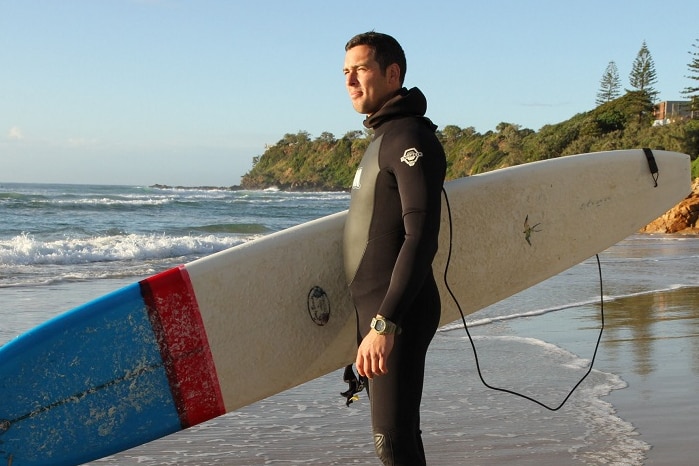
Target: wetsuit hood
[[406, 102]]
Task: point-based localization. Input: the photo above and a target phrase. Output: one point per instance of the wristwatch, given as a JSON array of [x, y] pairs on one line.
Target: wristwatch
[[383, 326]]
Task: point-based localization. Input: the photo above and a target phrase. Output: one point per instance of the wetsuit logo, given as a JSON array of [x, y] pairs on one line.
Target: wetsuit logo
[[410, 156], [357, 182]]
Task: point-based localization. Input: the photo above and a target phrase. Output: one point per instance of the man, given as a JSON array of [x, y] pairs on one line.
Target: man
[[390, 241]]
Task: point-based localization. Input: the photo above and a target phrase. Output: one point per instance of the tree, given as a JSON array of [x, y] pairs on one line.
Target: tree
[[643, 76], [327, 138], [451, 133], [693, 91], [609, 85]]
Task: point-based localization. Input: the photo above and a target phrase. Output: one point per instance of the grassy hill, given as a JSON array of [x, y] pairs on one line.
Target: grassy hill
[[326, 163]]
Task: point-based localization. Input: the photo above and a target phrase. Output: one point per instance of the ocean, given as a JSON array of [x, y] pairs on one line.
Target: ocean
[[62, 245]]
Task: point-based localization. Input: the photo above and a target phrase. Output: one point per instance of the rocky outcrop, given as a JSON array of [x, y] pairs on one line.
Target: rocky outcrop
[[682, 218]]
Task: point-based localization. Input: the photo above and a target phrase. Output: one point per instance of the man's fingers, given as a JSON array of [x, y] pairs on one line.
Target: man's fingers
[[375, 365], [372, 355], [360, 365], [371, 365], [382, 366]]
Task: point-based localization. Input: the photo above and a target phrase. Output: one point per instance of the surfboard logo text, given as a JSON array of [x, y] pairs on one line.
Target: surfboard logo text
[[410, 156]]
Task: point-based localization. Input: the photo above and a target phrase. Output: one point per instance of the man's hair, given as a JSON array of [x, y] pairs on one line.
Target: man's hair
[[386, 49]]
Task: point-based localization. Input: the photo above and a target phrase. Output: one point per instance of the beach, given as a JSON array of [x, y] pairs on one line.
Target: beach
[[659, 359], [637, 406], [649, 417], [645, 414]]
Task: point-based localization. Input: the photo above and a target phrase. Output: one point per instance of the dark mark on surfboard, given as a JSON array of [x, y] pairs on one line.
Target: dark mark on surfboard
[[529, 230], [6, 424], [318, 306]]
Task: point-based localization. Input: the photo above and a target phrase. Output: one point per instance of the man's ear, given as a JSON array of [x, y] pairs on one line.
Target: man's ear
[[393, 72]]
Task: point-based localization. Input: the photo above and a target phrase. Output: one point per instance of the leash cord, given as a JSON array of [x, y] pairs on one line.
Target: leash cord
[[473, 345]]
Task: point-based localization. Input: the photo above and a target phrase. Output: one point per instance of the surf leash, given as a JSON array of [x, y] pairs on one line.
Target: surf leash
[[652, 165], [473, 345]]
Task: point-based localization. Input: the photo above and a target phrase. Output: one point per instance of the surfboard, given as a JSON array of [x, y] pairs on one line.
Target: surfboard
[[205, 338]]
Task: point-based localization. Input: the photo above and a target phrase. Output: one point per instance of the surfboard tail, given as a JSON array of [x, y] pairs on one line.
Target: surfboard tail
[[120, 371]]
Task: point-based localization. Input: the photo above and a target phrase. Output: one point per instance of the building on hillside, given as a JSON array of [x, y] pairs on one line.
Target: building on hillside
[[670, 111]]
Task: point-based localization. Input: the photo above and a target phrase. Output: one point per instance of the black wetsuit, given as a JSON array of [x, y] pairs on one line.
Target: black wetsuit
[[390, 241]]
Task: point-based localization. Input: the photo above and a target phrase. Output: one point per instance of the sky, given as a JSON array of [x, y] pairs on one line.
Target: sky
[[187, 92]]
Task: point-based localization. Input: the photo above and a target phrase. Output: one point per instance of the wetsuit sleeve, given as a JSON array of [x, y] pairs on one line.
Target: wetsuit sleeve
[[419, 172]]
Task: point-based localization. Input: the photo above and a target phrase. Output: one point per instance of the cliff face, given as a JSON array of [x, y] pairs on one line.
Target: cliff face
[[680, 219]]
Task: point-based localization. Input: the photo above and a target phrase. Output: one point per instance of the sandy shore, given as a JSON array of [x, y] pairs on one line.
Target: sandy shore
[[652, 342], [650, 347], [657, 354]]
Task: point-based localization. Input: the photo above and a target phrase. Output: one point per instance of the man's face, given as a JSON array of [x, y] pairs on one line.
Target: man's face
[[368, 87]]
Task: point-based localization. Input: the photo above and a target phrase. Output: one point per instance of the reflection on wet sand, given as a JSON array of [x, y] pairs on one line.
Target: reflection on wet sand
[[636, 320]]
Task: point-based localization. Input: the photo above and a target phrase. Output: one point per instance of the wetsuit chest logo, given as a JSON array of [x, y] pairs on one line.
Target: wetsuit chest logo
[[410, 156]]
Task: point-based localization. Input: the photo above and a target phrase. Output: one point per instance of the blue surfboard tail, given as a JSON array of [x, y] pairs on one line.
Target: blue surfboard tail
[[109, 375]]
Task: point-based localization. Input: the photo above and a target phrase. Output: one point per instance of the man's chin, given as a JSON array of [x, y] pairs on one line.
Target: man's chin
[[360, 107]]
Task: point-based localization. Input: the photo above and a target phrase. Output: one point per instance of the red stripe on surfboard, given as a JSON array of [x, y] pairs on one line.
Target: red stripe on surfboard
[[184, 347]]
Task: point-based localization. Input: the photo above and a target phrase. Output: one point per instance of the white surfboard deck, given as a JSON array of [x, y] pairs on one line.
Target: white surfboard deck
[[277, 311]]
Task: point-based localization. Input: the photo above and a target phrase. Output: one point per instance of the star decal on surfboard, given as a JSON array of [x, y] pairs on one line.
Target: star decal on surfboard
[[529, 230]]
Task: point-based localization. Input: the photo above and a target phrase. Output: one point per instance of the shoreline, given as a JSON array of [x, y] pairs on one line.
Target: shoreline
[[652, 342], [663, 380], [290, 189], [641, 411]]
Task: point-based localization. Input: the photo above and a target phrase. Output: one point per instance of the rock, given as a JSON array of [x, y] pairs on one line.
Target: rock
[[680, 219]]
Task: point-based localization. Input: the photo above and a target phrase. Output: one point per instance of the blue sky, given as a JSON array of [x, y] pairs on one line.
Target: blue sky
[[187, 92]]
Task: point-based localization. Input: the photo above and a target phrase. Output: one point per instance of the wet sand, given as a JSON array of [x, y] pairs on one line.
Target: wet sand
[[651, 342], [657, 354]]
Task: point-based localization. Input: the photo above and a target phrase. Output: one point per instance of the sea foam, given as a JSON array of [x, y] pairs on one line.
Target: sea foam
[[25, 249]]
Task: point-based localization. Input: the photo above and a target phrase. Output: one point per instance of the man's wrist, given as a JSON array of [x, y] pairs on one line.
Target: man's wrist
[[383, 326]]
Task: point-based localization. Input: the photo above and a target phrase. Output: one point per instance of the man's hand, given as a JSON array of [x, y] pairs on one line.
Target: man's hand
[[372, 355]]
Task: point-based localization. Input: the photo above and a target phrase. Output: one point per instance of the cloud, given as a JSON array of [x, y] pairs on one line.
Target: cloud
[[15, 134]]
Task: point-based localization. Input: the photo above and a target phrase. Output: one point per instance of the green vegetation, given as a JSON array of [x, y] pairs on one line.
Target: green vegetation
[[643, 74], [326, 163], [298, 162], [692, 92], [610, 84]]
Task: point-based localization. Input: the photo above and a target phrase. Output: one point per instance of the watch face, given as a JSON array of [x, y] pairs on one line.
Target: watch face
[[380, 325]]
